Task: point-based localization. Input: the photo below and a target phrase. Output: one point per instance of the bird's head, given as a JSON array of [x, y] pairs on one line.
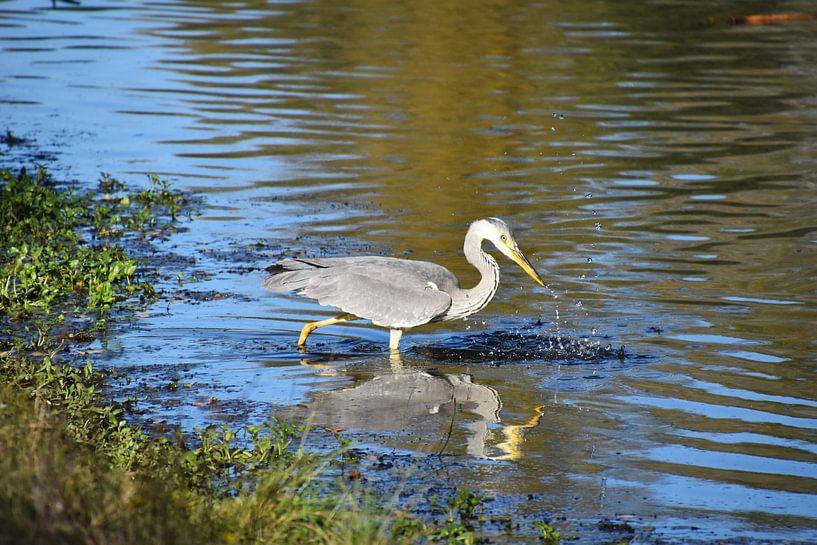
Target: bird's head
[[498, 232]]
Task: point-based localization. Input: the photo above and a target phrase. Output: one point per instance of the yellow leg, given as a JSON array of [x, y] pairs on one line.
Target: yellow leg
[[394, 339], [312, 326]]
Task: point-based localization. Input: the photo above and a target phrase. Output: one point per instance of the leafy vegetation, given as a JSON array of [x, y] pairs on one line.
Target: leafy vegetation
[[58, 258], [549, 535]]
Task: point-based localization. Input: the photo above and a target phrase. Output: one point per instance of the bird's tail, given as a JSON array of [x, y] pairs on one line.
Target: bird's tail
[[290, 275]]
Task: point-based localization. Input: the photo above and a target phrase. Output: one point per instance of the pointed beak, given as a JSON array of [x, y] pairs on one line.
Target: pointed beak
[[522, 261]]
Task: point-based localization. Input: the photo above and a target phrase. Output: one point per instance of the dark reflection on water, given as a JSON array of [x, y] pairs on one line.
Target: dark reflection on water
[[499, 347], [491, 347], [655, 163]]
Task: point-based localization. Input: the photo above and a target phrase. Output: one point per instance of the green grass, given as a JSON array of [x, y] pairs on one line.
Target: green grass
[[70, 474], [57, 259], [548, 534]]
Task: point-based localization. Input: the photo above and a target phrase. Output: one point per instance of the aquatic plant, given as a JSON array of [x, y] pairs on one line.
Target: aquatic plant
[[51, 267], [549, 534]]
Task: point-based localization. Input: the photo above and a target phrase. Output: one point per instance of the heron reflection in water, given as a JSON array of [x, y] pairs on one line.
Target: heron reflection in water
[[426, 405], [399, 294]]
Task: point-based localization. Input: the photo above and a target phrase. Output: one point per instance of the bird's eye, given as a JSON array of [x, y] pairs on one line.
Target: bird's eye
[[503, 238]]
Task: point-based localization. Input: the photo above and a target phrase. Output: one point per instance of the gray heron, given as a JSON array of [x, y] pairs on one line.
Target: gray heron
[[399, 294]]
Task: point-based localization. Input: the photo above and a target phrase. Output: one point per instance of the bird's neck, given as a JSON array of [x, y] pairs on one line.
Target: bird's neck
[[469, 301]]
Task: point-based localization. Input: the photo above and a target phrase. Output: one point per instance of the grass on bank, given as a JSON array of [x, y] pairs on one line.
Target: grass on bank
[[72, 470]]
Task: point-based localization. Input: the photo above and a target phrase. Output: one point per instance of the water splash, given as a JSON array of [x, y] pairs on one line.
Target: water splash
[[500, 347]]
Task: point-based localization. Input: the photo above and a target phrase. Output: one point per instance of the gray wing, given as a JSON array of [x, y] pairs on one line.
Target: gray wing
[[396, 293]]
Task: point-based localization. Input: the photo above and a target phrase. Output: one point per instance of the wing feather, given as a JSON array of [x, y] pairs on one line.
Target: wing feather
[[385, 304], [390, 292]]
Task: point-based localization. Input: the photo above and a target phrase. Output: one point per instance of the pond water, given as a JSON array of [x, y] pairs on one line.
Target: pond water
[[658, 167]]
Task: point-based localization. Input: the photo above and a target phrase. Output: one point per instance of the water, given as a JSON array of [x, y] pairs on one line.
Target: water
[[657, 165]]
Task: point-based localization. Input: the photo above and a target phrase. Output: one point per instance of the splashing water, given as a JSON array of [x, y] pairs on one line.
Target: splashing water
[[498, 347]]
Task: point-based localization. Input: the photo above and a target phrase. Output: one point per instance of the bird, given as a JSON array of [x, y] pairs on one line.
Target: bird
[[399, 294]]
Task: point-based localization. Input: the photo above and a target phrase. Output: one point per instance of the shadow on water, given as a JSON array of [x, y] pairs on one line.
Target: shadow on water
[[501, 347]]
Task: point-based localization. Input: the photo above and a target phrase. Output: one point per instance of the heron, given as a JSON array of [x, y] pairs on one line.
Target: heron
[[399, 294]]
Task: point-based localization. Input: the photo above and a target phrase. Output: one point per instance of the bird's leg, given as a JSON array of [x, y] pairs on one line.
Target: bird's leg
[[395, 361], [394, 339], [312, 326]]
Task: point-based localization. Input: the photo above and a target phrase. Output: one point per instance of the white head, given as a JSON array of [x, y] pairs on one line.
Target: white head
[[498, 232]]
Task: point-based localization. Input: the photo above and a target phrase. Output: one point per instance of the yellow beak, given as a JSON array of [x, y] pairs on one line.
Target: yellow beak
[[523, 262]]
